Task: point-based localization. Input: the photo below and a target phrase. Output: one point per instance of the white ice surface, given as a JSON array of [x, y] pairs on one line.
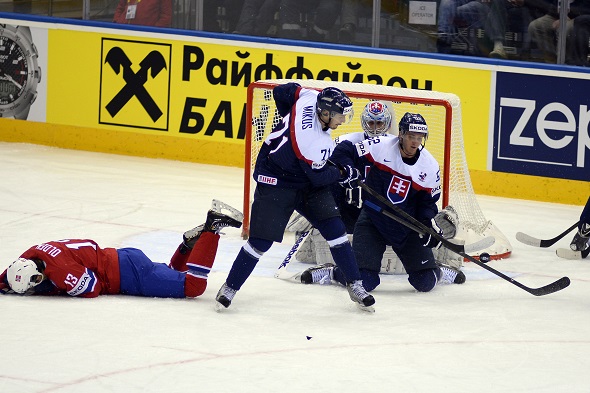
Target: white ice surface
[[484, 336]]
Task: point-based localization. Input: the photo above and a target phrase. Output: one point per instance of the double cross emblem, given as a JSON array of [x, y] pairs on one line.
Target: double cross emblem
[[153, 63]]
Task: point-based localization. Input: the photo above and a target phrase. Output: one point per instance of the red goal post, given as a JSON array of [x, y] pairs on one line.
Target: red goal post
[[442, 112]]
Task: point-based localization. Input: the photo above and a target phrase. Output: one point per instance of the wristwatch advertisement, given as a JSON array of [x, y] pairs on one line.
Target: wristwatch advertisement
[[19, 71]]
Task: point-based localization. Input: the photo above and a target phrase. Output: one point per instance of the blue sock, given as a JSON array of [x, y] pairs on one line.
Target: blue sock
[[344, 257], [246, 261], [370, 279], [241, 270]]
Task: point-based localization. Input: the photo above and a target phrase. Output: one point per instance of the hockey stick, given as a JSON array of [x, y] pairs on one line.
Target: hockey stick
[[282, 269], [567, 253], [457, 248], [423, 229], [533, 241]]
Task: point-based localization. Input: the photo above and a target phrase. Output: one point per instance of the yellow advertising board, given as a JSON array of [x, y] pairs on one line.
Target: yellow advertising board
[[197, 89], [182, 96]]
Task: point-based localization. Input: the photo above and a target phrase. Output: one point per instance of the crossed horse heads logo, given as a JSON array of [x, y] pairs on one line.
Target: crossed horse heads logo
[[135, 81]]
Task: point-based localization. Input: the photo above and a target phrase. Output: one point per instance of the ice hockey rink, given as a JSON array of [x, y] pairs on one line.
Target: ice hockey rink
[[486, 335]]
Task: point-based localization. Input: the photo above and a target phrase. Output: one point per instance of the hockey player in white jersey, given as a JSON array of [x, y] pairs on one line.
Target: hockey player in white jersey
[[405, 172], [292, 174]]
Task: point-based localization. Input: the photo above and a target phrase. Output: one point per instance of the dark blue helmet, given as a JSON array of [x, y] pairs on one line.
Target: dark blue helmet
[[336, 102], [413, 122]]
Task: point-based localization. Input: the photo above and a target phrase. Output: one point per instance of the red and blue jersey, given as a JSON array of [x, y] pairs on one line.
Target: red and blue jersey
[[77, 267]]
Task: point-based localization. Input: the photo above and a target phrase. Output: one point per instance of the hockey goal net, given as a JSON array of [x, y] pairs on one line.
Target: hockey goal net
[[442, 112]]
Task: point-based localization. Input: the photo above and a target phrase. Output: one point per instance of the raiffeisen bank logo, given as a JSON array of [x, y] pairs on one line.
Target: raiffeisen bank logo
[[135, 84], [542, 126]]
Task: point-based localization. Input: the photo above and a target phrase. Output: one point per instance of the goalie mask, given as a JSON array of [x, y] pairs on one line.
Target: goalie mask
[[376, 119], [336, 104], [23, 274]]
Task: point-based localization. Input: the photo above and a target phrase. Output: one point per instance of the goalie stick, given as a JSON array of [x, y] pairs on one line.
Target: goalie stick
[[533, 241], [419, 227], [567, 253]]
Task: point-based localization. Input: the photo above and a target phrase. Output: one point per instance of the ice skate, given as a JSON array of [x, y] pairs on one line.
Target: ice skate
[[359, 295], [320, 274], [222, 207], [217, 221], [224, 297], [190, 237], [450, 275]]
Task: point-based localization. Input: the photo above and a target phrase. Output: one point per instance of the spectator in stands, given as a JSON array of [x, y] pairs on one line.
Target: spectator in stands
[[545, 29], [257, 17], [577, 49], [351, 10], [348, 21], [489, 15], [291, 23], [144, 12]]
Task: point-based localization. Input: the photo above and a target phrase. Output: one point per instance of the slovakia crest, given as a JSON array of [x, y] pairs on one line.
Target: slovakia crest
[[375, 107], [398, 189], [18, 278]]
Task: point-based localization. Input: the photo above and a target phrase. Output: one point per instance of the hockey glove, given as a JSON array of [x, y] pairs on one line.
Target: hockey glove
[[354, 196], [446, 220], [581, 239], [430, 241], [445, 224], [349, 177]]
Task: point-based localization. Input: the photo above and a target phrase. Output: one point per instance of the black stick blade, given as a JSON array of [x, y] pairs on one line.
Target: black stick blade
[[558, 285]]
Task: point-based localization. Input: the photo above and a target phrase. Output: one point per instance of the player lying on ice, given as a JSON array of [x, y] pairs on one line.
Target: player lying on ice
[[402, 170], [79, 267]]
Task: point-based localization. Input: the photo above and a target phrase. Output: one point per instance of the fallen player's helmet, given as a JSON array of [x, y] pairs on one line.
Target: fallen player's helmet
[[413, 122], [336, 102], [376, 119], [22, 275]]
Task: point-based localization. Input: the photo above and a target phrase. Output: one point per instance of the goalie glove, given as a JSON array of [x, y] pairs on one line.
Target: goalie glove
[[447, 221], [445, 224], [581, 239]]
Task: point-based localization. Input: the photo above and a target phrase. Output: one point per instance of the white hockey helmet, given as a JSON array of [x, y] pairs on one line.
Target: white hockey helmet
[[22, 275], [376, 119]]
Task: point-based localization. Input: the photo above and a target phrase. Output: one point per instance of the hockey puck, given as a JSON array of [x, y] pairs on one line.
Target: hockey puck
[[484, 257]]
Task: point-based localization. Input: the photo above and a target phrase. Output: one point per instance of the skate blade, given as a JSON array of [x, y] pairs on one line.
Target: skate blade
[[369, 309], [222, 207], [219, 307]]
